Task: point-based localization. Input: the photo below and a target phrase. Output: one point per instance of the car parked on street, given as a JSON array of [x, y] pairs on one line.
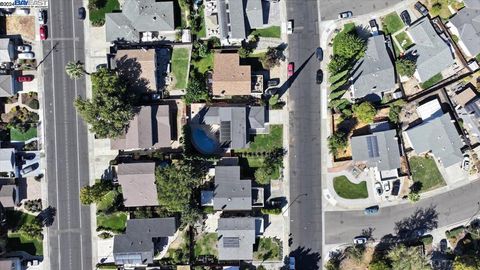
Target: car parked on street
[[82, 13], [372, 210], [421, 8], [291, 69], [42, 16], [290, 27], [406, 18], [25, 78], [360, 240], [291, 263], [319, 76], [319, 54], [345, 15], [43, 32]]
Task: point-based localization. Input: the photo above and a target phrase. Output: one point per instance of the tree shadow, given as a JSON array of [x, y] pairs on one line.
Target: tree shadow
[[47, 216], [130, 70], [421, 221], [306, 259]]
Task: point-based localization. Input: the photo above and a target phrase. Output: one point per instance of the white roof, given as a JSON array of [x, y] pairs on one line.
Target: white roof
[[429, 110], [7, 159]]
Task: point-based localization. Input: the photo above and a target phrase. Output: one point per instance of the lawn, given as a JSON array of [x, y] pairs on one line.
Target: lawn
[[206, 245], [432, 81], [180, 59], [249, 165], [266, 142], [203, 30], [440, 9], [404, 40], [204, 64], [269, 32], [268, 249], [115, 222], [21, 242], [17, 135], [425, 171], [108, 200], [348, 190], [392, 23], [98, 15], [347, 28]]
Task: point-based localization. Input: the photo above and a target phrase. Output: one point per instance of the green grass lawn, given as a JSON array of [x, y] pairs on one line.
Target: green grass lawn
[[115, 222], [269, 32], [204, 64], [180, 59], [392, 23], [266, 142], [257, 55], [206, 245], [425, 171], [347, 28], [268, 249], [404, 40], [99, 14], [21, 242], [249, 165], [348, 190], [17, 135], [108, 200], [203, 30], [432, 81]]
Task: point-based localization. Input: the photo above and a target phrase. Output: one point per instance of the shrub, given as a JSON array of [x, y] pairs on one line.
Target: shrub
[[34, 104], [406, 67], [33, 205], [271, 211], [105, 235], [365, 112], [337, 141]]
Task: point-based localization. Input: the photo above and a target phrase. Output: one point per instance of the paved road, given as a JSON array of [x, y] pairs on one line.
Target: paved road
[[304, 130], [452, 207], [69, 238], [331, 8]]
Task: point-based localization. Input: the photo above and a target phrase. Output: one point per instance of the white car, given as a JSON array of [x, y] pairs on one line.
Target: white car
[[41, 16], [360, 240], [386, 186], [26, 55], [345, 15], [290, 27], [24, 48]]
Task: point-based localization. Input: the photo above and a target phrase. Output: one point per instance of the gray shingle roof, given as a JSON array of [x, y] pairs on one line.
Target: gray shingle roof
[[439, 136], [7, 159], [433, 53], [222, 18], [140, 16], [6, 50], [138, 184], [7, 85], [374, 73], [233, 124], [379, 149], [254, 13], [467, 22], [136, 245], [236, 238], [256, 117], [231, 193], [9, 196], [237, 19]]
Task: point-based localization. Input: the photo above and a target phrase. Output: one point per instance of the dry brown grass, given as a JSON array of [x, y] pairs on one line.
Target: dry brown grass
[[351, 264], [20, 25]]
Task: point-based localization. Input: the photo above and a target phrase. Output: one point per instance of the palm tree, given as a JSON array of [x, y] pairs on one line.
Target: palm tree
[[75, 70]]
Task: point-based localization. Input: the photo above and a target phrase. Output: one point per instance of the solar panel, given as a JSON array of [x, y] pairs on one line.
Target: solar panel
[[225, 132], [231, 242], [372, 146]]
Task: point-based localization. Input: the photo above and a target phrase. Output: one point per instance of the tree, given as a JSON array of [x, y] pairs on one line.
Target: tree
[[355, 252], [272, 58], [365, 112], [337, 141], [273, 160], [466, 262], [378, 265], [175, 184], [190, 215], [75, 70], [406, 67], [337, 64], [32, 229], [111, 108], [413, 197], [196, 90], [203, 50], [436, 8], [407, 258], [96, 4], [244, 52], [349, 46], [95, 193]]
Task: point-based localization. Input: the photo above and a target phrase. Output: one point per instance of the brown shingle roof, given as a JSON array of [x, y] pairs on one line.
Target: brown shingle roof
[[465, 96], [229, 77], [142, 61], [138, 184]]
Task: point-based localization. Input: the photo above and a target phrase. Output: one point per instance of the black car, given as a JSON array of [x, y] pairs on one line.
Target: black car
[[406, 18], [372, 210], [82, 13], [396, 187], [421, 8], [319, 54], [319, 76]]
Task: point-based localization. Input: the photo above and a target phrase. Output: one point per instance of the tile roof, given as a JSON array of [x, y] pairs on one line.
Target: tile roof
[[236, 238], [138, 184], [229, 77]]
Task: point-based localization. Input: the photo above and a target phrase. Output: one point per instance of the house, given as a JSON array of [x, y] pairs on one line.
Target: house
[[237, 17], [12, 263], [140, 21], [374, 74], [379, 150], [229, 77], [8, 85], [236, 237], [138, 184], [468, 109], [7, 161], [7, 50], [431, 52], [143, 239], [465, 24], [436, 134], [150, 128]]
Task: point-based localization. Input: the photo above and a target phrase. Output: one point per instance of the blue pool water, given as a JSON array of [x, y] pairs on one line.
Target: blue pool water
[[202, 142]]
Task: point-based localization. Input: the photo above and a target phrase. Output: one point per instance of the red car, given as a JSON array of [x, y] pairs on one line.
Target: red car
[[291, 69], [43, 32], [25, 78]]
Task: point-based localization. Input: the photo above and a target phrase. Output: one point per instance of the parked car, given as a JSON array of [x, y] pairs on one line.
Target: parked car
[[27, 169], [319, 76], [26, 55], [290, 27], [82, 13], [466, 163], [319, 54], [378, 188], [291, 263], [25, 78], [291, 69], [24, 48], [372, 210], [373, 25], [345, 15], [396, 187], [386, 186], [43, 32], [273, 82], [42, 16], [421, 8], [443, 245], [360, 240], [406, 17]]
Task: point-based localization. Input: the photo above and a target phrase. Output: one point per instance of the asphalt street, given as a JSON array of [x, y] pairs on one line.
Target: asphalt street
[[331, 8], [69, 238], [304, 146], [451, 207]]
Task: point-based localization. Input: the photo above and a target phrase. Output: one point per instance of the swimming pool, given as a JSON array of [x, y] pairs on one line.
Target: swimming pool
[[202, 142]]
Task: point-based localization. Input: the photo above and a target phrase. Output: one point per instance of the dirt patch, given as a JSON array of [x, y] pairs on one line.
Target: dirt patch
[[353, 264], [19, 25]]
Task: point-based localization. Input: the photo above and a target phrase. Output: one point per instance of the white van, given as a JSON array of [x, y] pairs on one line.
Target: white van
[[26, 55]]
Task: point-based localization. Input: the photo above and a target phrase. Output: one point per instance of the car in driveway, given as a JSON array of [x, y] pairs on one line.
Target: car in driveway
[[43, 32], [378, 188], [291, 69], [396, 187], [421, 8], [26, 55], [406, 18], [319, 76], [345, 15], [290, 27], [386, 186], [82, 13], [360, 240], [28, 169], [24, 48], [25, 78], [372, 210], [373, 25]]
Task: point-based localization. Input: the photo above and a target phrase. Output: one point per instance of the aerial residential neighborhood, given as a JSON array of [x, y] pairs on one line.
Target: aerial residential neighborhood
[[240, 134]]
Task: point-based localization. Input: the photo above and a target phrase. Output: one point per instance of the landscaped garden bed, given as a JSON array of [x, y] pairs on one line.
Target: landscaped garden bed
[[31, 100], [206, 245], [348, 190], [268, 249]]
